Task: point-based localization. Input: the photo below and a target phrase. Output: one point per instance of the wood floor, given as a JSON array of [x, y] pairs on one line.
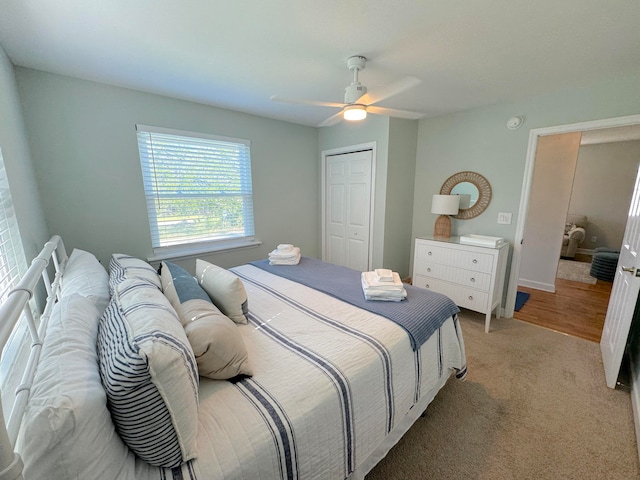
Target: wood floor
[[575, 308]]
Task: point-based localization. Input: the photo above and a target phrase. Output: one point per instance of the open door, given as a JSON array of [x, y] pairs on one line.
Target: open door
[[624, 294]]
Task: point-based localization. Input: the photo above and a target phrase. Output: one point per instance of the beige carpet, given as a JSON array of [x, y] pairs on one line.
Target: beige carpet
[[575, 271], [534, 406]]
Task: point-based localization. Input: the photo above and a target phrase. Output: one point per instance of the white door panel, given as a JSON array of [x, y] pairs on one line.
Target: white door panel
[[348, 209], [624, 294]]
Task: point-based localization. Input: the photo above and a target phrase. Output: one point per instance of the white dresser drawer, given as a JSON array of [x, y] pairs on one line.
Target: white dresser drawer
[[462, 258], [463, 297], [469, 278], [471, 299]]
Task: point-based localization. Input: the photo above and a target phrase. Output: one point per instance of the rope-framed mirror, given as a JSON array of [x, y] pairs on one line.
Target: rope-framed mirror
[[475, 192]]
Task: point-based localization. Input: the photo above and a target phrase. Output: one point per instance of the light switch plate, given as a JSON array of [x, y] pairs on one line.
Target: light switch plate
[[504, 218]]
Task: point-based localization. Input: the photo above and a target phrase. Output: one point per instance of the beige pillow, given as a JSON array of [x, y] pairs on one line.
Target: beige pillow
[[225, 289], [216, 342]]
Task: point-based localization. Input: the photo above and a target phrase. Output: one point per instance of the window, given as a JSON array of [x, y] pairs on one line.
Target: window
[[198, 191], [13, 266]]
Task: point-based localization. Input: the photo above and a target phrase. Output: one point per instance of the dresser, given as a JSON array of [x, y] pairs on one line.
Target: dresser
[[473, 277]]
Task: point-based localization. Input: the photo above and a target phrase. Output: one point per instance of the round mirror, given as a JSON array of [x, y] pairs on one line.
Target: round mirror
[[474, 191], [468, 192]]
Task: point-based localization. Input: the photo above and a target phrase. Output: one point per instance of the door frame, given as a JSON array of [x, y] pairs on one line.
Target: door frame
[[534, 134], [323, 186]]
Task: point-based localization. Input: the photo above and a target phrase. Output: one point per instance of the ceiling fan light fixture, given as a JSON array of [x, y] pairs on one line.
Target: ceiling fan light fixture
[[354, 112]]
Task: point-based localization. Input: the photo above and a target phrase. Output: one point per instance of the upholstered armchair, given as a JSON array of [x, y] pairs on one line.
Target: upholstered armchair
[[574, 235]]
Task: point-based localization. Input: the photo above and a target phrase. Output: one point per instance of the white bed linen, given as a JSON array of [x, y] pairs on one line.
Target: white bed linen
[[330, 429], [334, 387]]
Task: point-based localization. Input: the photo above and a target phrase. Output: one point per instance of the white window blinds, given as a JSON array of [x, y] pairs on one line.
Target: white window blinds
[[197, 187], [12, 261], [13, 265]]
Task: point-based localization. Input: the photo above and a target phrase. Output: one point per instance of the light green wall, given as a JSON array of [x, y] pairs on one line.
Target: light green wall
[[401, 169], [83, 139], [602, 189], [17, 160], [478, 140]]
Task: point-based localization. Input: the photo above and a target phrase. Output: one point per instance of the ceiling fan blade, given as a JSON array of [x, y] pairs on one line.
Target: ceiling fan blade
[[332, 120], [393, 112], [389, 91], [317, 103]]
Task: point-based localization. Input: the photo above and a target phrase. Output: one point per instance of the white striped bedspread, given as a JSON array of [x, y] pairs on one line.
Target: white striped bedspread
[[330, 382]]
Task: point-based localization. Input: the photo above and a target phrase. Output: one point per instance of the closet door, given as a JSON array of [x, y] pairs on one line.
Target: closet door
[[348, 209]]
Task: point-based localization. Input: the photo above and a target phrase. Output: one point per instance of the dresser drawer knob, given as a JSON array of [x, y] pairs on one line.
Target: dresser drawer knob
[[426, 285], [428, 253], [470, 297], [475, 260], [428, 269], [473, 279]]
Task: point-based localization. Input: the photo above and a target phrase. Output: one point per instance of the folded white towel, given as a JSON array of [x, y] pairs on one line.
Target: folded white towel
[[392, 293], [383, 295], [384, 274], [285, 261], [278, 255], [284, 247], [370, 280], [368, 296]]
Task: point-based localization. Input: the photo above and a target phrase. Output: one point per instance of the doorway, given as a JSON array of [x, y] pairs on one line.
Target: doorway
[[598, 126], [590, 188]]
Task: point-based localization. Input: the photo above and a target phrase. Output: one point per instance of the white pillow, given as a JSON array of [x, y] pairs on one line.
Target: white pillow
[[216, 342], [225, 289], [123, 267], [149, 373], [86, 276], [67, 430]]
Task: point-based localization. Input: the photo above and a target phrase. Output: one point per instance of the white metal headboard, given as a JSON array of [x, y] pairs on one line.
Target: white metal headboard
[[16, 305]]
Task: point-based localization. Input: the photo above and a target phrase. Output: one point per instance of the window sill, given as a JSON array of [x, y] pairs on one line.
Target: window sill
[[185, 252]]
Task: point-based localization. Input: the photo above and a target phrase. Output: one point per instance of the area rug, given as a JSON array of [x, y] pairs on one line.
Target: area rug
[[521, 299], [575, 271]]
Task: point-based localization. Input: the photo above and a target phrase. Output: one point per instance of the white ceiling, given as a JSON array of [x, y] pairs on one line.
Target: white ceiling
[[236, 54]]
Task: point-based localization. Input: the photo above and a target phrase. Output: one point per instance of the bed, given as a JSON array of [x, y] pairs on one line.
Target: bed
[[323, 390]]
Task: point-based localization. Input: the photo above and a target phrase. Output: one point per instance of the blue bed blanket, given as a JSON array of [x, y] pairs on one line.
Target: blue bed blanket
[[420, 314]]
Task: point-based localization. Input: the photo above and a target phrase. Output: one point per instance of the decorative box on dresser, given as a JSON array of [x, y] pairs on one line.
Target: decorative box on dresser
[[472, 276]]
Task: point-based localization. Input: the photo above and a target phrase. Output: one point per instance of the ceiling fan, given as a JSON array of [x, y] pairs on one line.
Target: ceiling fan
[[357, 102]]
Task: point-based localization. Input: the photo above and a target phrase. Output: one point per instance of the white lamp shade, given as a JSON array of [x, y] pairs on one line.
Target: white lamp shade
[[354, 112], [445, 204]]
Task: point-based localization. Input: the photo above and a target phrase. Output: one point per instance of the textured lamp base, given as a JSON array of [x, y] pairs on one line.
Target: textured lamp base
[[442, 228]]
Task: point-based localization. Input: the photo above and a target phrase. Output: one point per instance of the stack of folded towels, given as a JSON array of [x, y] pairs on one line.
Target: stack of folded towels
[[285, 254], [383, 284]]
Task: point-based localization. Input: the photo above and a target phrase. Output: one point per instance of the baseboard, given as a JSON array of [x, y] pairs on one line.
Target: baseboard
[[635, 400], [547, 287]]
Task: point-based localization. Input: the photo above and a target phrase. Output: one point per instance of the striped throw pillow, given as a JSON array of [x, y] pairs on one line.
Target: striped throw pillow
[[149, 374], [123, 267]]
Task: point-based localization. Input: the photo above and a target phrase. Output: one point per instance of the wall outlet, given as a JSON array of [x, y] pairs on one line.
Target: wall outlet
[[504, 218], [594, 239]]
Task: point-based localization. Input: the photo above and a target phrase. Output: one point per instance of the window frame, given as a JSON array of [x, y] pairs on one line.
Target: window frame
[[193, 248], [13, 266]]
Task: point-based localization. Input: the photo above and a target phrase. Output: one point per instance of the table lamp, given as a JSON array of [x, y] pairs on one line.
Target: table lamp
[[444, 205]]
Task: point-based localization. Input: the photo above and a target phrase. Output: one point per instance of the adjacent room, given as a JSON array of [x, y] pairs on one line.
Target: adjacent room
[[571, 294], [319, 240]]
